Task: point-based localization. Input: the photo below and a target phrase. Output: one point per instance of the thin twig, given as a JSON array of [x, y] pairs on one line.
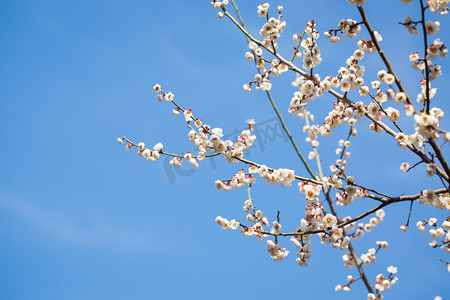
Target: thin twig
[[427, 71], [409, 215]]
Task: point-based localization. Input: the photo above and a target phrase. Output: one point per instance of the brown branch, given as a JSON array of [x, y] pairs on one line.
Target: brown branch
[[440, 157]]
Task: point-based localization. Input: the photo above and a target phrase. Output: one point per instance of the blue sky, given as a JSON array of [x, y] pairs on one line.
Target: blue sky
[[81, 218]]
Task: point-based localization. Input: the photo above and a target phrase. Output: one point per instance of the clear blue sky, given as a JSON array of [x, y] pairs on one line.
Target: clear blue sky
[[80, 218]]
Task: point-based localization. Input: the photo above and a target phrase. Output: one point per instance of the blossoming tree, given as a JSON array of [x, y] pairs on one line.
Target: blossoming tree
[[381, 106]]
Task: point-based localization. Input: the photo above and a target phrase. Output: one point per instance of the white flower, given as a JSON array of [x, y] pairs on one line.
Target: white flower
[[157, 88], [357, 2], [218, 184], [329, 221], [146, 153], [301, 262], [389, 79], [432, 27], [188, 115], [169, 96], [446, 248], [249, 56], [188, 156], [276, 253], [400, 97], [380, 213], [400, 137], [158, 147], [437, 5], [226, 224], [381, 76], [434, 233], [404, 166], [234, 224], [194, 162], [276, 228], [409, 109], [155, 154], [431, 169], [376, 84], [378, 36], [392, 114], [258, 51], [247, 87], [392, 269], [420, 226], [198, 122], [446, 223], [259, 214], [363, 90], [414, 57]]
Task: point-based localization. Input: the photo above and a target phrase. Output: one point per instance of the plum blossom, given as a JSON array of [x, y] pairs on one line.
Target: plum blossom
[[276, 253]]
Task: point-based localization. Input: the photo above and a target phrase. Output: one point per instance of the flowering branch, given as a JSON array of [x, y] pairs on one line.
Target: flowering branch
[[382, 55], [269, 95], [336, 94], [399, 84], [252, 163]]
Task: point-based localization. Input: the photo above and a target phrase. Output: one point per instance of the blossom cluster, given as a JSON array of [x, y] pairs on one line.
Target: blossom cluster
[[438, 6], [150, 155], [271, 31], [204, 138], [233, 224], [283, 177], [349, 27], [311, 53], [369, 257], [440, 201], [383, 283], [276, 253], [437, 232], [350, 231]]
